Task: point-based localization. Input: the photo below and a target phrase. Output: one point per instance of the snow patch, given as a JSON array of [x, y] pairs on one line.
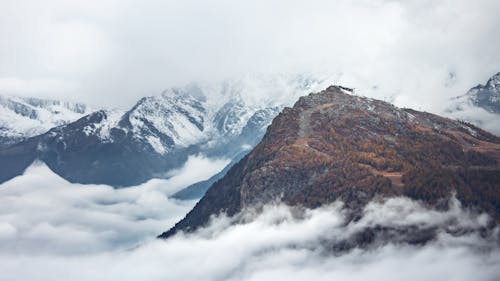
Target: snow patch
[[156, 144]]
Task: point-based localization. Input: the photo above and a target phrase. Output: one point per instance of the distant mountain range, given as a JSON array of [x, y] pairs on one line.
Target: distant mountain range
[[21, 117], [124, 148], [333, 145]]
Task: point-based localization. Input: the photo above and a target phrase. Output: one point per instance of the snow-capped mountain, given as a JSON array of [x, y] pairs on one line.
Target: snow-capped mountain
[[484, 96], [123, 148], [480, 105], [202, 113], [22, 117]]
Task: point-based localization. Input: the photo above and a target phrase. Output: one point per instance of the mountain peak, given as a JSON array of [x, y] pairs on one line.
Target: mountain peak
[[333, 145], [486, 96], [158, 133], [494, 82]]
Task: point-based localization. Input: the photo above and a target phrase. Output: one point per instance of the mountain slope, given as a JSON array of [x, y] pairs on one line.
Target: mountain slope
[[21, 117], [332, 145]]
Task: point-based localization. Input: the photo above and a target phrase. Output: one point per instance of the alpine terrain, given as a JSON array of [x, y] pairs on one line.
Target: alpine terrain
[[22, 118], [334, 145], [125, 148]]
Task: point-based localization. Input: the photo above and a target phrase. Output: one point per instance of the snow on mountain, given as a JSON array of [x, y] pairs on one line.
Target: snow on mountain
[[484, 96], [22, 117], [480, 105], [159, 133], [172, 119], [205, 113], [487, 96], [102, 127]]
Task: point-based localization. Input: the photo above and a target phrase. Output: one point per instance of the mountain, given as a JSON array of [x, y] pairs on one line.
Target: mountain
[[22, 117], [124, 148], [486, 96], [480, 105], [333, 145]]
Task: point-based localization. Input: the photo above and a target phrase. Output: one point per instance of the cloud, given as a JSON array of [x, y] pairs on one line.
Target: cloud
[[478, 116], [100, 50], [43, 213], [197, 168], [57, 229]]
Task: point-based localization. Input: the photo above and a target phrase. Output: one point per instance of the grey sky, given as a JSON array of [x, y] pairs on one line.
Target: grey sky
[[112, 52]]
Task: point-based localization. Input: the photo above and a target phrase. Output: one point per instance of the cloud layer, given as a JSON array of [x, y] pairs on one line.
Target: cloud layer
[[51, 229], [419, 52], [43, 213]]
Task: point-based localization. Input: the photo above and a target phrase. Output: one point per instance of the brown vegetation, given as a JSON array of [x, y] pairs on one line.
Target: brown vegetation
[[333, 146]]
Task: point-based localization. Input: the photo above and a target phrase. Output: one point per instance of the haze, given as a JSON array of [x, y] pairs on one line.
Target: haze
[[110, 53]]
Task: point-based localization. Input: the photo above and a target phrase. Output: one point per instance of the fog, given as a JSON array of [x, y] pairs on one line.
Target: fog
[[41, 212], [110, 53], [417, 53], [54, 230], [485, 120]]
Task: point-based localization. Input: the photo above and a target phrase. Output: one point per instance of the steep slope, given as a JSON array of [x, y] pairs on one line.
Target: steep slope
[[21, 117], [124, 148], [333, 145]]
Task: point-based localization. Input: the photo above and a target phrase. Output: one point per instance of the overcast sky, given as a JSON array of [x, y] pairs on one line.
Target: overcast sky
[[111, 52]]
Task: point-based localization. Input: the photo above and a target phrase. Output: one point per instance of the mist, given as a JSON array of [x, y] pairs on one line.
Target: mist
[[54, 230], [41, 212], [485, 120], [110, 53], [416, 53]]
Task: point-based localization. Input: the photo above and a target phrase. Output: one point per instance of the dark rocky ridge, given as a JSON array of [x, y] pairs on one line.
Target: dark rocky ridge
[[332, 145]]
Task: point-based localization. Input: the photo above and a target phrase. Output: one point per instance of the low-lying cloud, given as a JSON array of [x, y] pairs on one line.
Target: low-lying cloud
[[480, 117], [41, 212], [53, 230]]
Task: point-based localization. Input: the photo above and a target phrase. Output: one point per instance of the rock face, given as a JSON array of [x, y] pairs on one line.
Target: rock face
[[125, 148], [333, 145]]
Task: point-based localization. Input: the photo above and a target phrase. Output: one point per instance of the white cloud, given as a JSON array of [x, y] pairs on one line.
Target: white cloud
[[478, 116], [109, 49], [43, 213], [197, 168], [35, 87], [50, 229]]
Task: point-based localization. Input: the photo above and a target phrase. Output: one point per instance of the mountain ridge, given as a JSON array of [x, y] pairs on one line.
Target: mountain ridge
[[25, 117], [333, 146], [125, 148]]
